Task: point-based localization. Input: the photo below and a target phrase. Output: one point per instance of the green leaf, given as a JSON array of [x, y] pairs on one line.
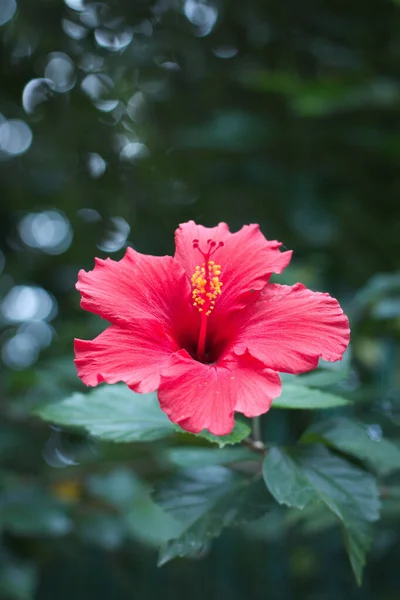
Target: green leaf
[[149, 523], [356, 439], [350, 493], [113, 413], [239, 433], [18, 579], [27, 510], [138, 515], [119, 487], [285, 480], [380, 285], [101, 528], [185, 457], [301, 397], [206, 501]]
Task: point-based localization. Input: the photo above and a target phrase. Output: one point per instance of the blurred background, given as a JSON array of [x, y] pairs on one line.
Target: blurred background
[[118, 120]]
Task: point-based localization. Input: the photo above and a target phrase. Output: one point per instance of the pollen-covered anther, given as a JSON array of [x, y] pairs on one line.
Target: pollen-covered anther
[[206, 286]]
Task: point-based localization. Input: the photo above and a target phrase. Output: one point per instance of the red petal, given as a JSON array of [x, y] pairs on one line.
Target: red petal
[[135, 356], [247, 259], [256, 390], [290, 327], [200, 396], [137, 287]]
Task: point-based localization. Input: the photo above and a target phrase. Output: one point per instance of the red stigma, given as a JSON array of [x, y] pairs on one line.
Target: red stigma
[[212, 248]]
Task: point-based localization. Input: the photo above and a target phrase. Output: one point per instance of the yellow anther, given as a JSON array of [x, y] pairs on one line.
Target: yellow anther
[[206, 286]]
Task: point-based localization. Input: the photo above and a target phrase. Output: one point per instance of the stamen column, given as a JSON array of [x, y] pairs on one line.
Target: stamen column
[[206, 287]]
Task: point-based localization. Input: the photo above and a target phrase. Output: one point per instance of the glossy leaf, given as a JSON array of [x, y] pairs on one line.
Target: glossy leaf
[[113, 413], [240, 431], [362, 441], [350, 493], [298, 396], [206, 501], [285, 479]]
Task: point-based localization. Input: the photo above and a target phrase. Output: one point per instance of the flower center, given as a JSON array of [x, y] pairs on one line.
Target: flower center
[[206, 287]]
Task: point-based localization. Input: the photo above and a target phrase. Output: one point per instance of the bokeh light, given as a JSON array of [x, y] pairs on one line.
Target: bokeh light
[[35, 92], [7, 10], [49, 231], [20, 351], [117, 235], [202, 15], [15, 137], [28, 303], [60, 70]]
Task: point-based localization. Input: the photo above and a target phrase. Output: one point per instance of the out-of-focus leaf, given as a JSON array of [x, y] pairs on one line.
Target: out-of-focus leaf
[[387, 308], [206, 457], [105, 530], [233, 131], [301, 397], [114, 413], [17, 580], [350, 493], [119, 487], [206, 501], [358, 440], [378, 285], [380, 295], [138, 515], [316, 98], [392, 492], [240, 431], [27, 510]]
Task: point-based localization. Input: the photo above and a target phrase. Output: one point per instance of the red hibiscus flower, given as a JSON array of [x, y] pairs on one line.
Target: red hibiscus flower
[[205, 328]]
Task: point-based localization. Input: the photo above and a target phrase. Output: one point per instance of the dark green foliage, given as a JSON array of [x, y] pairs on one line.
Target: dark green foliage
[[313, 475], [205, 501]]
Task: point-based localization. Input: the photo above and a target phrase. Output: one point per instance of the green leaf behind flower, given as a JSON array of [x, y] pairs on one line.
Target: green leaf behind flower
[[356, 439], [313, 474], [240, 431], [116, 413], [205, 501], [186, 457], [296, 395], [112, 413]]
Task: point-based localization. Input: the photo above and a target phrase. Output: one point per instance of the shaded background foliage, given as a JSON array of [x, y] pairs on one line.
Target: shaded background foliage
[[119, 120]]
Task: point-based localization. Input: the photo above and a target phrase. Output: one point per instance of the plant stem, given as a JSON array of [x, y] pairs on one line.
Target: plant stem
[[257, 429]]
